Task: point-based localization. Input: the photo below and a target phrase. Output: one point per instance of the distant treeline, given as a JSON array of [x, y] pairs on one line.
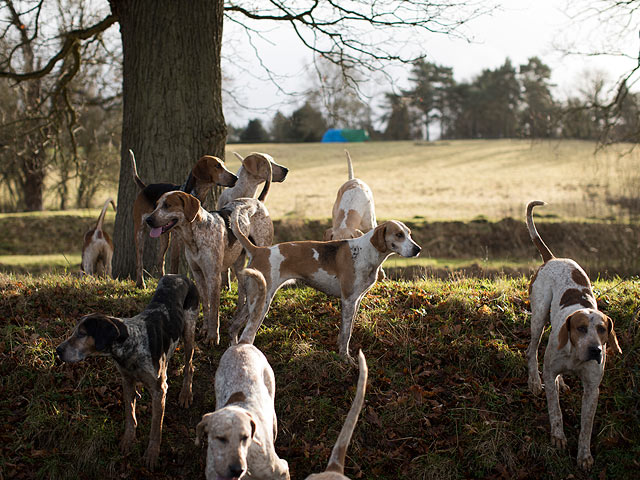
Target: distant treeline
[[507, 102]]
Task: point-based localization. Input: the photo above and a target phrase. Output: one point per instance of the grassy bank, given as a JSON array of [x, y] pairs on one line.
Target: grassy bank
[[447, 395]]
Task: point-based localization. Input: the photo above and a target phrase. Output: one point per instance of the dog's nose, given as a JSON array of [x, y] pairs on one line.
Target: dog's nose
[[149, 221], [59, 351], [595, 353], [416, 250], [235, 470]]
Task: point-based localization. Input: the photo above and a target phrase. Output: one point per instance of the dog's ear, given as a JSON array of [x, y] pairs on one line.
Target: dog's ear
[[191, 206], [253, 429], [328, 235], [103, 329], [252, 164], [378, 239], [204, 168], [612, 340], [202, 427], [563, 335]]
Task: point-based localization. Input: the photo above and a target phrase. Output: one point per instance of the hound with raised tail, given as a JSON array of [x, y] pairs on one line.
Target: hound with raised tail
[[210, 247], [560, 291], [242, 430], [256, 168], [335, 468], [141, 347], [97, 249], [354, 212], [207, 172], [342, 268]]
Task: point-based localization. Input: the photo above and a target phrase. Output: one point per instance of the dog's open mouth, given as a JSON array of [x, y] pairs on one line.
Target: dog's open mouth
[[157, 231]]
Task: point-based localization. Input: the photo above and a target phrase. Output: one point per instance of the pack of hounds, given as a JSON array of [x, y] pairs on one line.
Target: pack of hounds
[[242, 431]]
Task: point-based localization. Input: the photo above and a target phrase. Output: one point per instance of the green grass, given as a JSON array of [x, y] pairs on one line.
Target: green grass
[[447, 395]]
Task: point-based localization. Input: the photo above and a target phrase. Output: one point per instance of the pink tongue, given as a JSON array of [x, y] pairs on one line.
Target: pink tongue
[[155, 232]]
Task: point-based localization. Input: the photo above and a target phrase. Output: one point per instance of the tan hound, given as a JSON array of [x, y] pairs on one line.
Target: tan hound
[[207, 172], [560, 291], [242, 430], [97, 249]]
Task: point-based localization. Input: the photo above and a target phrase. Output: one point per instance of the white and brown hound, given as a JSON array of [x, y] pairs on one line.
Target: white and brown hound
[[97, 249], [354, 212], [141, 347], [560, 291], [210, 247], [342, 268], [335, 468], [207, 172], [242, 430]]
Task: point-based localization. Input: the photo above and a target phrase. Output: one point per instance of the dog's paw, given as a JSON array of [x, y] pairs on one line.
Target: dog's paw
[[150, 458], [535, 384], [585, 462], [212, 339], [563, 387], [186, 398], [559, 441]]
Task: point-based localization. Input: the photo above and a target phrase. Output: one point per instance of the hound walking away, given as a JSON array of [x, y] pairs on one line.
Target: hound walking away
[[210, 247], [560, 291], [354, 212], [208, 171], [141, 347], [342, 268], [242, 430], [335, 468], [97, 249]]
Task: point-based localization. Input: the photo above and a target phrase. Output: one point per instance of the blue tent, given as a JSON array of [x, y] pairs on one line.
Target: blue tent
[[334, 135]]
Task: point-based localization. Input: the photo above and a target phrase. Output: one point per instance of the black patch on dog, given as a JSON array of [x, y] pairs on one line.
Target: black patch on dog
[[225, 213], [104, 330], [161, 331], [573, 296], [328, 252], [154, 191], [579, 277]]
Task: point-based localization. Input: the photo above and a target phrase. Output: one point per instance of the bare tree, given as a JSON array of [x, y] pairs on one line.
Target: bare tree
[[172, 107]]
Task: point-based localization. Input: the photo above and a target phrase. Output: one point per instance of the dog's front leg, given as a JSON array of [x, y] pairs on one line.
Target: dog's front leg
[[558, 438], [213, 319], [188, 337], [158, 396], [130, 422], [349, 310], [589, 406]]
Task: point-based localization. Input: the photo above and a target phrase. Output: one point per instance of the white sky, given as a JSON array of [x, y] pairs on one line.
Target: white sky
[[519, 30]]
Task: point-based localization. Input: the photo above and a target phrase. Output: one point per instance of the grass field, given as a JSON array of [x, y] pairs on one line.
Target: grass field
[[450, 180], [447, 394]]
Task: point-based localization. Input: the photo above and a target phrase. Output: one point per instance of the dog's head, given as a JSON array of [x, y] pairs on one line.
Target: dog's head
[[341, 234], [93, 335], [230, 431], [589, 331], [172, 208], [256, 165], [394, 237], [210, 171]]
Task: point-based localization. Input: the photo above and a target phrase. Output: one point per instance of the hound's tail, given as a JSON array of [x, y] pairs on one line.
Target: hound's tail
[[350, 166], [339, 452], [103, 212], [136, 178], [234, 222], [256, 294], [535, 236]]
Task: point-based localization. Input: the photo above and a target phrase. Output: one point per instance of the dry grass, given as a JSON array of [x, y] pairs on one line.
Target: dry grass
[[451, 180], [458, 180]]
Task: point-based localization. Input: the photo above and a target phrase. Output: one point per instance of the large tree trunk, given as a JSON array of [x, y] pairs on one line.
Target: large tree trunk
[[172, 102]]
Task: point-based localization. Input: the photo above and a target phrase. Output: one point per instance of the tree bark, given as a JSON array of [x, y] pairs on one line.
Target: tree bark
[[172, 112]]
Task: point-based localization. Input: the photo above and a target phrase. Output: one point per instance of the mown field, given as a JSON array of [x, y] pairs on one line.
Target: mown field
[[447, 394]]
